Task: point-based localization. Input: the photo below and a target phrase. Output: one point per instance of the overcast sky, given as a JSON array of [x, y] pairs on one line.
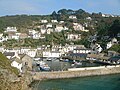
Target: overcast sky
[[37, 7]]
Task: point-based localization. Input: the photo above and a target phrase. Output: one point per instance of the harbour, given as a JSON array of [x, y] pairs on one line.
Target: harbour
[[105, 82]]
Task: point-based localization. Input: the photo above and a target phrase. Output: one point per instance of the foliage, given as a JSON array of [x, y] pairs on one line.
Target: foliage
[[6, 64], [115, 48]]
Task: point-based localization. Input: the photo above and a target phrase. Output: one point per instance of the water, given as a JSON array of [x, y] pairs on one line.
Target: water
[[107, 82]]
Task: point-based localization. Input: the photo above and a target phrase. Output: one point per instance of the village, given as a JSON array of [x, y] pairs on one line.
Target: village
[[21, 55]]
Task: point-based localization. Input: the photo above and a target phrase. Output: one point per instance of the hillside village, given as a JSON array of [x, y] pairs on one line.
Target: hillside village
[[69, 36]]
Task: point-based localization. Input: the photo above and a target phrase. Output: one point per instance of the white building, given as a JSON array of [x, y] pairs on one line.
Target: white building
[[59, 28], [85, 51], [49, 25], [32, 52], [74, 37], [72, 17], [36, 36], [11, 29], [56, 54], [77, 26], [17, 64], [44, 21], [54, 21]]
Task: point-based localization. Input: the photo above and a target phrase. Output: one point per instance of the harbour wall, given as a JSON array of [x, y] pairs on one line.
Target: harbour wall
[[77, 72]]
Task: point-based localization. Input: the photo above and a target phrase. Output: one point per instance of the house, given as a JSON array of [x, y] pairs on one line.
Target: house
[[44, 21], [78, 27], [56, 54], [32, 52], [89, 18], [115, 59], [77, 56], [49, 25], [96, 47], [111, 43], [59, 28], [77, 50], [54, 21], [36, 36], [2, 49], [49, 30], [72, 17], [61, 22], [17, 63], [112, 53], [2, 38], [26, 61], [74, 37], [70, 48], [9, 55], [92, 56], [11, 29]]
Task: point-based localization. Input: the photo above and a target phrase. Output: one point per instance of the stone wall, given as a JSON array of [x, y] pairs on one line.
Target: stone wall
[[77, 72]]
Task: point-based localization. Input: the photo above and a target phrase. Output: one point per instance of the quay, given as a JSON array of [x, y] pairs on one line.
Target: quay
[[77, 72]]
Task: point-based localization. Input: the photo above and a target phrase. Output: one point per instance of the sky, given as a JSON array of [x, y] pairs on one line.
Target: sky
[[44, 7]]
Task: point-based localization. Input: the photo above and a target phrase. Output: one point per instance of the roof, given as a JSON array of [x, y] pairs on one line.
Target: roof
[[9, 53], [115, 58], [17, 60], [78, 54]]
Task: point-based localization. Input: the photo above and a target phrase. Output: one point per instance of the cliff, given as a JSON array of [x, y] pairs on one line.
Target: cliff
[[9, 79]]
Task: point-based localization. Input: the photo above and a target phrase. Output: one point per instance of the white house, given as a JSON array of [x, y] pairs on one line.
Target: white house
[[32, 52], [59, 28], [44, 21], [56, 54], [17, 64], [72, 17], [36, 36], [85, 51], [109, 45], [49, 30], [11, 29], [54, 21], [77, 26], [43, 31], [74, 37], [49, 25]]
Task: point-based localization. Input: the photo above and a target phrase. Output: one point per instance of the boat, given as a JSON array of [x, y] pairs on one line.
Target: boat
[[76, 63], [43, 66]]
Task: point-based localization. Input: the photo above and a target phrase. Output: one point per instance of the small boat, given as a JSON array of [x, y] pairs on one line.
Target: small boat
[[43, 66]]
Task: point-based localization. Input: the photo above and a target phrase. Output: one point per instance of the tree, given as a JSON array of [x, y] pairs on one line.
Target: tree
[[114, 29]]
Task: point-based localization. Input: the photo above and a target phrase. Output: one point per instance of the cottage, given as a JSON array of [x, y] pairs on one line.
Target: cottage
[[27, 61], [17, 63]]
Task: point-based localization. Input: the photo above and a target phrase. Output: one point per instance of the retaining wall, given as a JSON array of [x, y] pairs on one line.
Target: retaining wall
[[77, 72]]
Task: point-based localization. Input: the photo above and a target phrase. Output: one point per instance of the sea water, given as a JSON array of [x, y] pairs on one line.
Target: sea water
[[106, 82]]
